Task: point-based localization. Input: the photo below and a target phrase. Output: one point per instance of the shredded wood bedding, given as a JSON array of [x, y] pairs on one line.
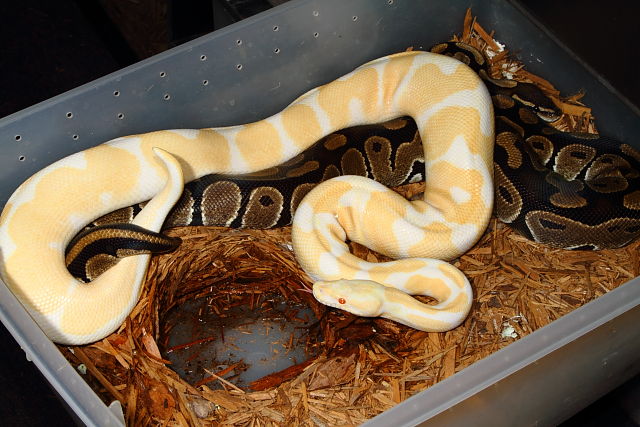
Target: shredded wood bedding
[[361, 367]]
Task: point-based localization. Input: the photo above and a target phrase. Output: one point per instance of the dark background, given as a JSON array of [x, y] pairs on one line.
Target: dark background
[[48, 47]]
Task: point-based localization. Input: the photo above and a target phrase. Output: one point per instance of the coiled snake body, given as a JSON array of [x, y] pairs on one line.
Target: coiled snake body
[[453, 112], [390, 153], [566, 190]]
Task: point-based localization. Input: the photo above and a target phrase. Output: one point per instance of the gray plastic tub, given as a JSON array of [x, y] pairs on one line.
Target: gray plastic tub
[[253, 69]]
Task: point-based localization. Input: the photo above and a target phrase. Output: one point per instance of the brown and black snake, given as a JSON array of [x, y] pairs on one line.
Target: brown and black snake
[[566, 190], [390, 152]]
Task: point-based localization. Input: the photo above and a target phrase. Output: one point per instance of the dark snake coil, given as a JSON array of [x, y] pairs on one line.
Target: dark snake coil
[[566, 190]]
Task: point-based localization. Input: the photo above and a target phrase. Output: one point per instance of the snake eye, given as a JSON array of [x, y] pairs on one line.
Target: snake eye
[[342, 300]]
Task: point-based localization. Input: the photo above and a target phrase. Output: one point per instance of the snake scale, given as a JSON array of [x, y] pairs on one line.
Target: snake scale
[[546, 183], [390, 153], [565, 190]]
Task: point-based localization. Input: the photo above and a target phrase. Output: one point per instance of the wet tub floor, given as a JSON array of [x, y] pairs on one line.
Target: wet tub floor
[[242, 343]]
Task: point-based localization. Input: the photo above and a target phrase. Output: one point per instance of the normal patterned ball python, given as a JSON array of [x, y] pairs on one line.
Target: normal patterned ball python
[[561, 189], [390, 153], [453, 112], [566, 190]]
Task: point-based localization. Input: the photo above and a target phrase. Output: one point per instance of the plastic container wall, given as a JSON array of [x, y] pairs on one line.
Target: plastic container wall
[[254, 68]]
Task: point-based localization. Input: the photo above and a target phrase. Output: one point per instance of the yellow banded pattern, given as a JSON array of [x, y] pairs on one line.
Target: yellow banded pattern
[[451, 107]]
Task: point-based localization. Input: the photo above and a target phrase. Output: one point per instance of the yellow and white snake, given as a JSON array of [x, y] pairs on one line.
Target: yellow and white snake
[[453, 111]]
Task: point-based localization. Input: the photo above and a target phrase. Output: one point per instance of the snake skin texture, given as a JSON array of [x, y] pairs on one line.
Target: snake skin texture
[[447, 99]]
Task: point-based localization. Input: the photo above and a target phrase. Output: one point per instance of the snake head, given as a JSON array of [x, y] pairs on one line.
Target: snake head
[[530, 95], [359, 297]]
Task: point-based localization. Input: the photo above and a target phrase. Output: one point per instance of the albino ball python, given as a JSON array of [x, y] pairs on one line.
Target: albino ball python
[[454, 115]]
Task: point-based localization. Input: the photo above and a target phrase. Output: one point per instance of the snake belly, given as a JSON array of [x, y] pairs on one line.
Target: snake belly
[[449, 102]]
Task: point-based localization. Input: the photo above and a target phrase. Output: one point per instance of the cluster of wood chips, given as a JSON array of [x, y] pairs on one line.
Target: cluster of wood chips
[[364, 366]]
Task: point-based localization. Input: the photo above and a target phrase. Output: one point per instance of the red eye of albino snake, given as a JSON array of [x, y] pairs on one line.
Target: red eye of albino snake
[[342, 300]]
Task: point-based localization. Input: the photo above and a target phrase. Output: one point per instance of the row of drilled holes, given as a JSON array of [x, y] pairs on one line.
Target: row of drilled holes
[[203, 57]]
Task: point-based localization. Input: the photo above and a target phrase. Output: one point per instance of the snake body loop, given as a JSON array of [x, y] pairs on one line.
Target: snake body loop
[[448, 101], [561, 189], [565, 190]]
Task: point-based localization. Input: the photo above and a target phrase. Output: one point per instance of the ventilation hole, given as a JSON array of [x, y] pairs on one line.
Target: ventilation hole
[[121, 116], [316, 13], [315, 35], [116, 93], [163, 74], [75, 137], [203, 57], [205, 82], [276, 28], [276, 50], [354, 18], [238, 42], [18, 137], [21, 158], [389, 1], [166, 96], [69, 115], [239, 67]]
